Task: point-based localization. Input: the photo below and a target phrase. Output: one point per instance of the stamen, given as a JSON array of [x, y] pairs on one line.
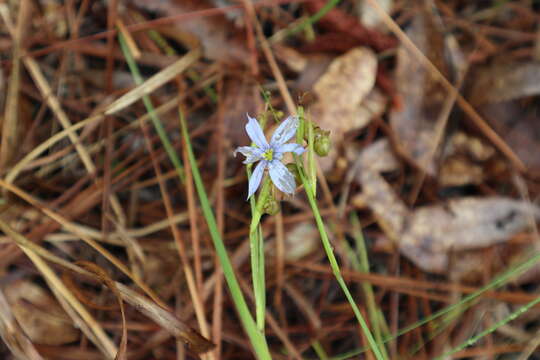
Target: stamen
[[269, 155]]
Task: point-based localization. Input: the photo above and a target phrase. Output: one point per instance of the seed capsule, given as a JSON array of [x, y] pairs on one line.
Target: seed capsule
[[271, 206], [321, 141]]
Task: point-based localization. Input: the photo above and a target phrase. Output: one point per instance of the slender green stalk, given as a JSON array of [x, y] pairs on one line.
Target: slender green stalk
[[255, 336], [375, 315], [333, 261], [319, 350], [256, 242]]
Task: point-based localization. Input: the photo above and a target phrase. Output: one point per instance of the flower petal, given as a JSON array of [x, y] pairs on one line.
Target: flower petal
[[255, 133], [256, 177], [251, 153], [295, 148], [282, 177], [285, 131]]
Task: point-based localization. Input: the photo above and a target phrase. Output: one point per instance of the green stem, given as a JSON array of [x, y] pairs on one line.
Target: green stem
[[333, 261], [257, 339], [256, 242]]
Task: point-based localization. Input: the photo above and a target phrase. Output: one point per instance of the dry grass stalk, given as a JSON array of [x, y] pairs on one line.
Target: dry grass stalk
[[154, 82]]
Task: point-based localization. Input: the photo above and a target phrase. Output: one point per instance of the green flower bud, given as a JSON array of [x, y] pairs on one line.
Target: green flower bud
[[321, 145], [271, 206], [294, 170], [321, 141]]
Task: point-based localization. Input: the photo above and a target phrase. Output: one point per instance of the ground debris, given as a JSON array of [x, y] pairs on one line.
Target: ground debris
[[428, 234]]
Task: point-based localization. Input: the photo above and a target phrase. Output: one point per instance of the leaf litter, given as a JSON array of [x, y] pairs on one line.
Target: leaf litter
[[428, 188]]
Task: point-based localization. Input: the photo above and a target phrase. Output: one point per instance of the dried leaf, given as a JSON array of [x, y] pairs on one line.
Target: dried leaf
[[40, 316], [390, 212], [429, 234], [166, 319], [504, 82], [340, 91], [102, 275], [519, 127], [423, 96], [465, 223]]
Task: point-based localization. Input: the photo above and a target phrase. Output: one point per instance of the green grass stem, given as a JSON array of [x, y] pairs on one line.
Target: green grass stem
[[257, 339]]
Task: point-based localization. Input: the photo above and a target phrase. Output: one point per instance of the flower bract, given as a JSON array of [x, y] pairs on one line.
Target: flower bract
[[269, 155]]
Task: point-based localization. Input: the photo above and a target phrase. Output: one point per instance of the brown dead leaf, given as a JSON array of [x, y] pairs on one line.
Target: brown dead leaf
[[500, 91], [504, 82], [40, 316], [423, 96], [104, 277], [465, 223], [340, 92], [389, 210], [166, 319], [429, 234], [519, 126], [348, 79]]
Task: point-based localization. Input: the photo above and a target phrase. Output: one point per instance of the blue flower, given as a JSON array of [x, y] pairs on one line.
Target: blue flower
[[270, 155]]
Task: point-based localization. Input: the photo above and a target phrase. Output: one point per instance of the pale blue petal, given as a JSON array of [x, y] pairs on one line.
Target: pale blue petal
[[256, 177], [282, 177], [285, 131], [295, 148], [255, 133], [251, 153]]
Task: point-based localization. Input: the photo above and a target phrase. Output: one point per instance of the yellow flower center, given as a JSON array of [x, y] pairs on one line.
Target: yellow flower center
[[268, 155]]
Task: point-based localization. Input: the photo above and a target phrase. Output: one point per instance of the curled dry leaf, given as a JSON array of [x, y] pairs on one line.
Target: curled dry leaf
[[166, 319], [340, 92], [161, 316], [40, 316], [429, 234], [104, 278]]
